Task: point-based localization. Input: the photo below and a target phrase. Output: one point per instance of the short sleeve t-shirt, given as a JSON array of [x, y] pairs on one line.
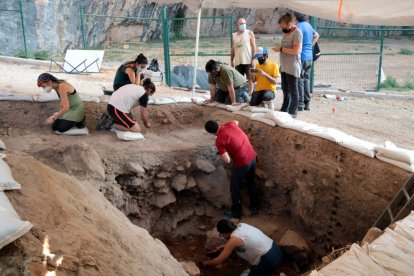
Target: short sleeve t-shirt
[[290, 64], [263, 83], [228, 76], [231, 139], [128, 96], [307, 32]]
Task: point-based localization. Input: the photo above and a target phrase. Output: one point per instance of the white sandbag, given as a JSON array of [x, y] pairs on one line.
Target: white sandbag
[[2, 145], [163, 101], [234, 108], [222, 106], [354, 262], [180, 99], [391, 151], [358, 145], [7, 182], [129, 136], [263, 120], [300, 126], [5, 96], [12, 227], [328, 133], [198, 100], [246, 114], [257, 109], [280, 118], [399, 164], [74, 131], [151, 101], [46, 97], [213, 104]]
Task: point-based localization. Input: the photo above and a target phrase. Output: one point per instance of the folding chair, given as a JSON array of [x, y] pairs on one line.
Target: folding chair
[[74, 69], [80, 61]]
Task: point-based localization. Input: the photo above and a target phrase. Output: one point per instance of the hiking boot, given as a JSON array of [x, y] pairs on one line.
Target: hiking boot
[[307, 106], [294, 115], [229, 214], [104, 122], [300, 108]]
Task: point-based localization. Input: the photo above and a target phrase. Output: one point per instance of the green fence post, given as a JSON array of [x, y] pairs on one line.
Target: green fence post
[[313, 24], [166, 42], [24, 33], [82, 27], [380, 59], [231, 33]]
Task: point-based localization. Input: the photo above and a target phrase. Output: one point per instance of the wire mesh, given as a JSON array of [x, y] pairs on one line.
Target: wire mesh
[[11, 32]]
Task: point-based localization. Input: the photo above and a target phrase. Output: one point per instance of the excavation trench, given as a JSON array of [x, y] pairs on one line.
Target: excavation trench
[[174, 185]]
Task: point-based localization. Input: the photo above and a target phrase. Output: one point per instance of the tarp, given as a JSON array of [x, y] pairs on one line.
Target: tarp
[[367, 12]]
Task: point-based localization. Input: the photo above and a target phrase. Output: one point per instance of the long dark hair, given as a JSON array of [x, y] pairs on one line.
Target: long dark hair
[[141, 59], [225, 226], [148, 84], [45, 77]]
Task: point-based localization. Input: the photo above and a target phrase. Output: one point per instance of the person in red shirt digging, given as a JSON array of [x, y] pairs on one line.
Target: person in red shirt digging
[[234, 145]]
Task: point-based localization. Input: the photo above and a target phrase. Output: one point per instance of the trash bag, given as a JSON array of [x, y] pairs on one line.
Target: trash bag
[[154, 66]]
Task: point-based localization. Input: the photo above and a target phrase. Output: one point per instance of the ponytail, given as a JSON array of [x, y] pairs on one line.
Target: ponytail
[[141, 59], [148, 85]]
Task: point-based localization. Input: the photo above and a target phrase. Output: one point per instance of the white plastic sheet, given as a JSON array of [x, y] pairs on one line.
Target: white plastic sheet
[[234, 108], [7, 182], [163, 101], [12, 227], [180, 99], [128, 136]]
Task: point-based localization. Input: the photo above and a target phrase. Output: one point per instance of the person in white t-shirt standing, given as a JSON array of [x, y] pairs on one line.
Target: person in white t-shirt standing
[[250, 244], [243, 50], [121, 103]]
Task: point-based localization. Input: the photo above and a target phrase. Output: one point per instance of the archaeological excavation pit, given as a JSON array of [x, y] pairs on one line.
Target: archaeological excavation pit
[[174, 185]]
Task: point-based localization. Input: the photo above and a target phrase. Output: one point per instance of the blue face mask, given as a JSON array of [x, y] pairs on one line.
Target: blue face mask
[[242, 27]]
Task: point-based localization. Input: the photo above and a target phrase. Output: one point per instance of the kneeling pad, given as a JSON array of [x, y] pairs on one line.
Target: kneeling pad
[[128, 136], [74, 131]]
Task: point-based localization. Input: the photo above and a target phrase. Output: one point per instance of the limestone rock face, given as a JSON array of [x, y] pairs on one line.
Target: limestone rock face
[[163, 200], [178, 182], [215, 187], [191, 268], [134, 167], [205, 166]]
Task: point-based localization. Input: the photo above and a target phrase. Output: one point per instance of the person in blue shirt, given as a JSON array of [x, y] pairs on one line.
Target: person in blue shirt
[[310, 37]]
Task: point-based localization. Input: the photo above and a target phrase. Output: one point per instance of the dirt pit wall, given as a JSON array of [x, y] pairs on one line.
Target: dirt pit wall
[[333, 193]]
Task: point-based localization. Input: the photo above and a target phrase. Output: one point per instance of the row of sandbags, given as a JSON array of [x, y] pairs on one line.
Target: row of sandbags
[[390, 254], [42, 98], [11, 226], [388, 152]]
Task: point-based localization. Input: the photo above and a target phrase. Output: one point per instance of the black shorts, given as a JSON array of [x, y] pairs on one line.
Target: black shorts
[[120, 118], [244, 69]]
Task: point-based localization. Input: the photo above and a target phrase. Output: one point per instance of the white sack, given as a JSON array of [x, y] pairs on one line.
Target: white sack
[[12, 227], [46, 97], [162, 101], [198, 100], [280, 118], [257, 109], [243, 113], [263, 120], [328, 133], [391, 151], [89, 98], [15, 97], [7, 182], [399, 164], [128, 136], [74, 131], [180, 99], [358, 145], [234, 108]]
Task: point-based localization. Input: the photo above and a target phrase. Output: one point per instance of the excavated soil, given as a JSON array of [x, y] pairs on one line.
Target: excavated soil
[[327, 193]]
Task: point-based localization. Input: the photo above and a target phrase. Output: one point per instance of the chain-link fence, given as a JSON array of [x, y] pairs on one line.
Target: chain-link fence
[[364, 58], [13, 36]]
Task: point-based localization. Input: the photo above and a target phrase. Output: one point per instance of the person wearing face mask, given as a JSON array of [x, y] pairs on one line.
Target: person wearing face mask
[[265, 76], [243, 50], [131, 72], [250, 244], [230, 83], [290, 63], [71, 112], [310, 37], [120, 104]]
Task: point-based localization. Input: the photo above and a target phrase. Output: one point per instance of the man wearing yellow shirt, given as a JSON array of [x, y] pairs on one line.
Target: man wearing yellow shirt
[[265, 75]]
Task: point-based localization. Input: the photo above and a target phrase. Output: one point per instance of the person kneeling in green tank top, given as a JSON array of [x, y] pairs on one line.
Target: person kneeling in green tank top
[[71, 112]]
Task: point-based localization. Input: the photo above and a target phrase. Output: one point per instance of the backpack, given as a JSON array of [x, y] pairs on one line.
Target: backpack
[[316, 51], [154, 66]]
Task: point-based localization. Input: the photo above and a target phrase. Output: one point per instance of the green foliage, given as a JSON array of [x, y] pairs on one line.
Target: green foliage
[[41, 55], [406, 52], [22, 54], [391, 83]]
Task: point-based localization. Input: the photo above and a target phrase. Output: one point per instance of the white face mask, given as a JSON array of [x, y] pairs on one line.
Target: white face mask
[[47, 89]]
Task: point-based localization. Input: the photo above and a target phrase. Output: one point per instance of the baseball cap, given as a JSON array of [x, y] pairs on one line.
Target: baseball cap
[[260, 52]]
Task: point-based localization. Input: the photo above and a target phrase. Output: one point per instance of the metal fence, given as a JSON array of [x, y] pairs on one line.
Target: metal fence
[[170, 40], [9, 14], [364, 58]]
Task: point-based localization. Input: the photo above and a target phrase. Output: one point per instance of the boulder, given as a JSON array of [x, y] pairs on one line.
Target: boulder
[[178, 182], [199, 210], [295, 248], [205, 166], [191, 268], [180, 168], [269, 183], [163, 200], [164, 175], [191, 183], [215, 187], [160, 183], [188, 164], [134, 168]]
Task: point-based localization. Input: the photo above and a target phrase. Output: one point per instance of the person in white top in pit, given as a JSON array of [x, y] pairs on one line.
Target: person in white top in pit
[[250, 244], [121, 103], [243, 50]]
